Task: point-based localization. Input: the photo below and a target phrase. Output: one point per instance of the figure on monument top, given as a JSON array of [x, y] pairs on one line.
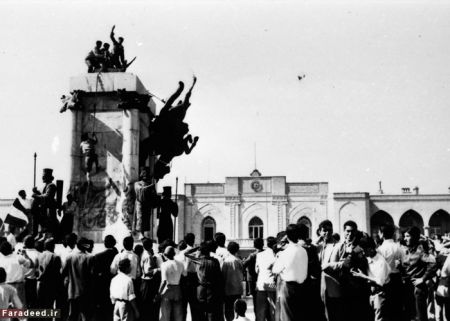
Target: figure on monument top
[[94, 57], [166, 209], [118, 54], [88, 151]]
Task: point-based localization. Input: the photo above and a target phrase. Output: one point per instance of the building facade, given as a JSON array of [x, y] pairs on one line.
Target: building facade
[[245, 208]]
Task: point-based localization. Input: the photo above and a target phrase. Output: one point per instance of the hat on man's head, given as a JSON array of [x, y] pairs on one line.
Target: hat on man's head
[[47, 172], [145, 171], [167, 190]]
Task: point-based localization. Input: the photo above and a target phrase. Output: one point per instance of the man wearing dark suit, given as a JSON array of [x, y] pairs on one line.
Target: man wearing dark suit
[[78, 267], [102, 279], [330, 287], [49, 279]]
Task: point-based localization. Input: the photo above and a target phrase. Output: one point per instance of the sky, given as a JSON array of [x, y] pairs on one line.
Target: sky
[[373, 105]]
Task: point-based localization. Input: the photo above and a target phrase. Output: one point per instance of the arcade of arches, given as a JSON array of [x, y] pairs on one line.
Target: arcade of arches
[[439, 222]]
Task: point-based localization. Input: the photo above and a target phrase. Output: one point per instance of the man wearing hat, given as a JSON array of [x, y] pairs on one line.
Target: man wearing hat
[[166, 209], [146, 201], [47, 203]]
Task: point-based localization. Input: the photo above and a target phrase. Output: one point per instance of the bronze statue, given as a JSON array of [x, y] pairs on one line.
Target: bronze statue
[[146, 200], [46, 204], [166, 209]]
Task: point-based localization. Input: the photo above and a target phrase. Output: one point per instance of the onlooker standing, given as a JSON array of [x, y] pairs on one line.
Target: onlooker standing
[[233, 275], [170, 290], [330, 287], [122, 294], [151, 280], [249, 264], [78, 268], [102, 278], [377, 275], [128, 253], [15, 266], [8, 294], [292, 266], [49, 279], [31, 272], [265, 284], [221, 251], [394, 255], [417, 270], [442, 294]]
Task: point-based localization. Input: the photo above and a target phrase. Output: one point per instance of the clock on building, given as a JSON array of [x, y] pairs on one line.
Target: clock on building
[[256, 186]]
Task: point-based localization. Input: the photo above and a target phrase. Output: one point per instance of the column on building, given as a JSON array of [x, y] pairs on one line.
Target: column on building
[[130, 145]]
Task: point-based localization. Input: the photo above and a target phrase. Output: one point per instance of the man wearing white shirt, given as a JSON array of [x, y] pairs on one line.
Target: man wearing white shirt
[[221, 252], [128, 253], [171, 298], [265, 284], [394, 256], [292, 266]]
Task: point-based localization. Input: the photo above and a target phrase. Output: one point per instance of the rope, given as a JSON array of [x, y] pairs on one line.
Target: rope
[[161, 100], [95, 104]]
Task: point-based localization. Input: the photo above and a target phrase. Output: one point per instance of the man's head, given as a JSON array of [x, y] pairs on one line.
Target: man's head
[[28, 242], [271, 241], [240, 307], [144, 175], [182, 245], [350, 231], [292, 233], [83, 244], [220, 239], [169, 252], [70, 240], [412, 236], [138, 249], [233, 248], [49, 245], [98, 44], [190, 239], [326, 230], [204, 249], [303, 232], [258, 243], [386, 231], [6, 248], [69, 197], [22, 194], [109, 241], [120, 40], [128, 243], [106, 46], [125, 266], [368, 245], [167, 192], [147, 244], [212, 246]]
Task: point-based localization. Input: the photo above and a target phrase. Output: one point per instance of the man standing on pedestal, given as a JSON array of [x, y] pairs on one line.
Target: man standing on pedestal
[[166, 209], [146, 201], [47, 203]]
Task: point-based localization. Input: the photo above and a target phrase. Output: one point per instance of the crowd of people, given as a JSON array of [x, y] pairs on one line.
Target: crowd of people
[[290, 278]]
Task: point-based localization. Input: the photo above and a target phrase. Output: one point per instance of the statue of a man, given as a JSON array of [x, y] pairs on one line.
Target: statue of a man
[[166, 209], [47, 203], [146, 200]]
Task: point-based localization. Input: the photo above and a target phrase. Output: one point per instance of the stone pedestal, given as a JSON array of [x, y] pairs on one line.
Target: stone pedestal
[[118, 132]]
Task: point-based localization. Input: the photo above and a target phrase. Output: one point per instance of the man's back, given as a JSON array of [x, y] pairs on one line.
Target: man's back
[[78, 268], [292, 264], [233, 274]]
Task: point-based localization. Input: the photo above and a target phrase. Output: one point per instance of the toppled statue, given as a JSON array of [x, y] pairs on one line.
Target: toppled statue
[[71, 101], [170, 133], [87, 147], [167, 208]]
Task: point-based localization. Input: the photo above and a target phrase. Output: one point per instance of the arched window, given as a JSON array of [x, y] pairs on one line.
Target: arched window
[[208, 228], [411, 218], [379, 219], [255, 228], [439, 223], [305, 221]]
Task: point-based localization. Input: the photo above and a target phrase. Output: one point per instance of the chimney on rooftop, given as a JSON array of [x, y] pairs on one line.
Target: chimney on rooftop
[[406, 190], [381, 189], [416, 190]]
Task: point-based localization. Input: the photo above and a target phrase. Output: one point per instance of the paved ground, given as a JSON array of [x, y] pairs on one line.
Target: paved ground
[[250, 314]]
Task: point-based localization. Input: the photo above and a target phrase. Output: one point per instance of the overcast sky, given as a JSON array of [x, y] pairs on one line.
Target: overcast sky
[[374, 104]]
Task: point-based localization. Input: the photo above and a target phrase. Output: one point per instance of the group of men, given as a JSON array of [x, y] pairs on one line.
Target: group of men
[[290, 280], [100, 58]]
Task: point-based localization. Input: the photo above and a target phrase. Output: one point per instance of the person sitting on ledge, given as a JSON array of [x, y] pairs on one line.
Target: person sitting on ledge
[[94, 57]]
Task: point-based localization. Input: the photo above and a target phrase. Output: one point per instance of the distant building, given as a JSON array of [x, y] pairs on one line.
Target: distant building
[[245, 208]]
